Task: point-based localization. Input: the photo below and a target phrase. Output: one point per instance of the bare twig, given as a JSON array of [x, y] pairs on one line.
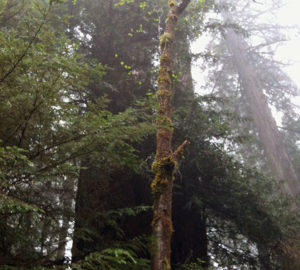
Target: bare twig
[[180, 149]]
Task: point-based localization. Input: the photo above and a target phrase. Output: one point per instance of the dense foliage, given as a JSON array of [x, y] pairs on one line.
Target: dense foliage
[[77, 110]]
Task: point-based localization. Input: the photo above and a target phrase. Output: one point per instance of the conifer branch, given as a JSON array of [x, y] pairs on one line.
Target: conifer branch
[[182, 6]]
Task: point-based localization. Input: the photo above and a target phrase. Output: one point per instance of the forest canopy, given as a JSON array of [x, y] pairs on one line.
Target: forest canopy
[[111, 158]]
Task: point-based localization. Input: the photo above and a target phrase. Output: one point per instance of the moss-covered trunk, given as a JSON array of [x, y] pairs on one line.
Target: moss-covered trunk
[[165, 160]]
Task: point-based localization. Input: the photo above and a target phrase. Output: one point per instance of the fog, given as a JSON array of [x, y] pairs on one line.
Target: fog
[[149, 134]]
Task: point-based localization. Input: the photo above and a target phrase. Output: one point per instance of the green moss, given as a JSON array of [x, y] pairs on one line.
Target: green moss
[[166, 163], [165, 39], [165, 60], [172, 17], [165, 93], [159, 186], [163, 132], [171, 3], [164, 69], [164, 122], [164, 78], [162, 168]]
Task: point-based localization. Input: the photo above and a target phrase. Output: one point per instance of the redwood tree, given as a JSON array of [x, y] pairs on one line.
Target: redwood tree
[[270, 137]]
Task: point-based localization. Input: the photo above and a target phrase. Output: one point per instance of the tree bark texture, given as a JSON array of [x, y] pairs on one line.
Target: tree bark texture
[[165, 160], [190, 236], [270, 138]]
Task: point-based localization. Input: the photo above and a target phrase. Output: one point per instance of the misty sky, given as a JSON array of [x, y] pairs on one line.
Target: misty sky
[[289, 15], [287, 52]]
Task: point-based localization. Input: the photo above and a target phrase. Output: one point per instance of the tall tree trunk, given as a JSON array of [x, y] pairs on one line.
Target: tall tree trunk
[[270, 138], [165, 160], [190, 237], [93, 195]]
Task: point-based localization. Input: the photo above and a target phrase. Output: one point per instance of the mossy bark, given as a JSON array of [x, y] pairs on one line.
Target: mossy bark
[[165, 161]]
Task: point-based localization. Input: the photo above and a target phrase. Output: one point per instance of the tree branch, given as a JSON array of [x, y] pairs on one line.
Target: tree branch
[[290, 129], [182, 6], [180, 149], [21, 57]]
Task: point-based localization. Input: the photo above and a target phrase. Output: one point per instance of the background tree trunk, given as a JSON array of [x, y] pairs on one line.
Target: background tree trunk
[[66, 198], [270, 138]]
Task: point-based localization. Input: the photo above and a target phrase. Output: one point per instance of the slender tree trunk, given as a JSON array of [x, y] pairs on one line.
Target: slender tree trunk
[[165, 160], [270, 138], [62, 241]]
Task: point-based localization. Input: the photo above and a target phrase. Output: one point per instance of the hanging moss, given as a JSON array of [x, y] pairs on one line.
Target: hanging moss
[[165, 60], [171, 3], [165, 39], [164, 77], [159, 185], [166, 163], [162, 168], [164, 80]]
